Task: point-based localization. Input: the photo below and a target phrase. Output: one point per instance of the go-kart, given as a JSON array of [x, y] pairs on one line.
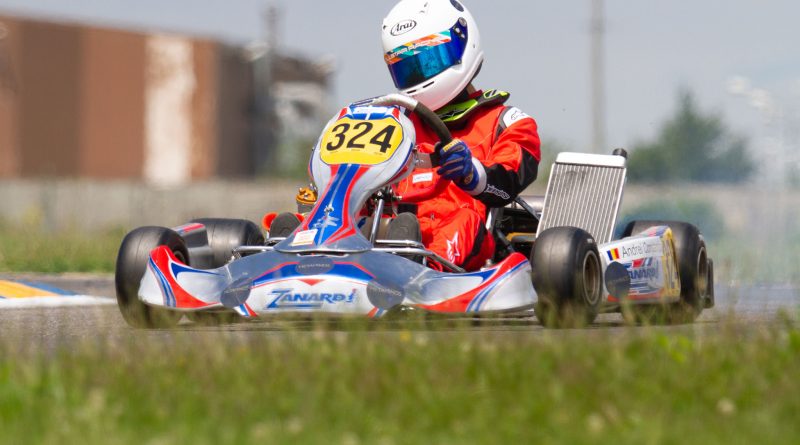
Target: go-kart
[[548, 258]]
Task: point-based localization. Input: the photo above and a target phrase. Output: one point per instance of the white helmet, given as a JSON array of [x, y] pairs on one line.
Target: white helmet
[[432, 48]]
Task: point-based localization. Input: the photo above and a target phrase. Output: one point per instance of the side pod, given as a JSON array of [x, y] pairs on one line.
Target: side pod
[[169, 283]]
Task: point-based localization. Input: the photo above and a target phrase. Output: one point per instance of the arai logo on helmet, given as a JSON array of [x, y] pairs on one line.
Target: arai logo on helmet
[[403, 27]]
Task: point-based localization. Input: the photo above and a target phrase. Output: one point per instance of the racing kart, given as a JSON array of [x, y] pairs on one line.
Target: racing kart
[[556, 255]]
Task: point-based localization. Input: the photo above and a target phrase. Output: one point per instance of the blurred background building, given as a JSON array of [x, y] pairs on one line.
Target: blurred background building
[[99, 103], [102, 104]]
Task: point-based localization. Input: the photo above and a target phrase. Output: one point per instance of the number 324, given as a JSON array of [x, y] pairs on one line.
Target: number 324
[[345, 136]]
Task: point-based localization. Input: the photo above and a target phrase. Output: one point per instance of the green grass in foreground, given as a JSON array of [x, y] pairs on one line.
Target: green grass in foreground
[[639, 386], [31, 250]]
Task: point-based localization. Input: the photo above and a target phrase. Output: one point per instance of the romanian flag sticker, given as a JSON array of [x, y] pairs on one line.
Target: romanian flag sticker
[[613, 254]]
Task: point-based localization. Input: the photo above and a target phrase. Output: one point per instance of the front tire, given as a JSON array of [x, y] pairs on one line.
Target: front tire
[[132, 259], [567, 276], [694, 268]]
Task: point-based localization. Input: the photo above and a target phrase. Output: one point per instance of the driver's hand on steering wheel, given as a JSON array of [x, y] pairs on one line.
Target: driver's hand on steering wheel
[[458, 165]]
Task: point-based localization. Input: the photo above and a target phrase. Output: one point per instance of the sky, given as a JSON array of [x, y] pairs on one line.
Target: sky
[[741, 58]]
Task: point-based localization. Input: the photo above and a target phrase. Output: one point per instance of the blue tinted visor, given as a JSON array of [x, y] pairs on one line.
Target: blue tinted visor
[[422, 59]]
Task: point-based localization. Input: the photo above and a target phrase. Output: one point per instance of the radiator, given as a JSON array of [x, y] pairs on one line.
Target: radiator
[[584, 191]]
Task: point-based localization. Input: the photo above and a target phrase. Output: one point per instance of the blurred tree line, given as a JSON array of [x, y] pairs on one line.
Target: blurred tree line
[[692, 146]]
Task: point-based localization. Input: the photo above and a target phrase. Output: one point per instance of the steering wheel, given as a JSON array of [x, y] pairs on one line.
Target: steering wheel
[[432, 121]]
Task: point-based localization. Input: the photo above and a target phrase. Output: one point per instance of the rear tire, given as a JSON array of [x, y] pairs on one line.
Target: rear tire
[[134, 254], [567, 276], [693, 268], [224, 235]]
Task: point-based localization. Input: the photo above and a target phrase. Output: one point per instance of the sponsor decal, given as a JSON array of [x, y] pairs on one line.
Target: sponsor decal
[[417, 46], [403, 27], [188, 228], [422, 177], [513, 115], [646, 277], [618, 281], [644, 274], [369, 110], [289, 299], [305, 238], [314, 266], [450, 114], [497, 192], [638, 250], [383, 296], [326, 221], [658, 231], [237, 293], [671, 277]]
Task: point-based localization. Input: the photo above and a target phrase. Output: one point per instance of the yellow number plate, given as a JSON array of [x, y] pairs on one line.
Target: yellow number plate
[[367, 142]]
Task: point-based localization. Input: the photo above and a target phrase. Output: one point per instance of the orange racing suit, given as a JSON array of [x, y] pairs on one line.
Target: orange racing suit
[[506, 142]]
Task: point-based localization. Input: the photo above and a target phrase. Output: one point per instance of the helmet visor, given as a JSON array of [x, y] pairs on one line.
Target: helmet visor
[[422, 59]]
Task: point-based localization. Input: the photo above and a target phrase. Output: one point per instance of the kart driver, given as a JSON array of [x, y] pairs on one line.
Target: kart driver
[[433, 51]]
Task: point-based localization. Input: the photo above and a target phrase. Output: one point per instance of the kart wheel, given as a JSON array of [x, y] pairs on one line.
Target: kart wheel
[[694, 268], [134, 253], [224, 235], [567, 276]]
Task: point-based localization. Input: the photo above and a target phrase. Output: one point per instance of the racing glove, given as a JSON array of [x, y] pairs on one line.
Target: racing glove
[[458, 165]]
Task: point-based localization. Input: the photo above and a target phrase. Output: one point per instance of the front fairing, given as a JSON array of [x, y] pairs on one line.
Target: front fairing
[[367, 284], [348, 165]]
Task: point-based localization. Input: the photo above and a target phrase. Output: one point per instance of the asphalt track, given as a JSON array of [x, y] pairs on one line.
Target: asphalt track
[[59, 319]]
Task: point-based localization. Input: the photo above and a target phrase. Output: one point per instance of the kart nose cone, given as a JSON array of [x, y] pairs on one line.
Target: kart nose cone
[[237, 293]]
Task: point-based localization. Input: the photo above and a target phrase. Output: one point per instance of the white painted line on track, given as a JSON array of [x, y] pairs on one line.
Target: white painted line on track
[[52, 302]]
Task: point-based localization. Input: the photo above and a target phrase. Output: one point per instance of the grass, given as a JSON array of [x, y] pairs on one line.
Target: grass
[[694, 384], [369, 386], [32, 250]]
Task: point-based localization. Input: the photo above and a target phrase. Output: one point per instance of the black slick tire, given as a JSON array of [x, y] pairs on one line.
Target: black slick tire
[[567, 276], [224, 235], [132, 259]]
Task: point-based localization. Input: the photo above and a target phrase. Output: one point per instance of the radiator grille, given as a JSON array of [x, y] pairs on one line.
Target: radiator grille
[[584, 196]]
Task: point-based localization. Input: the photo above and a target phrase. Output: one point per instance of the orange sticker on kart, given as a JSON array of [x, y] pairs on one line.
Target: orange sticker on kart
[[366, 142]]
